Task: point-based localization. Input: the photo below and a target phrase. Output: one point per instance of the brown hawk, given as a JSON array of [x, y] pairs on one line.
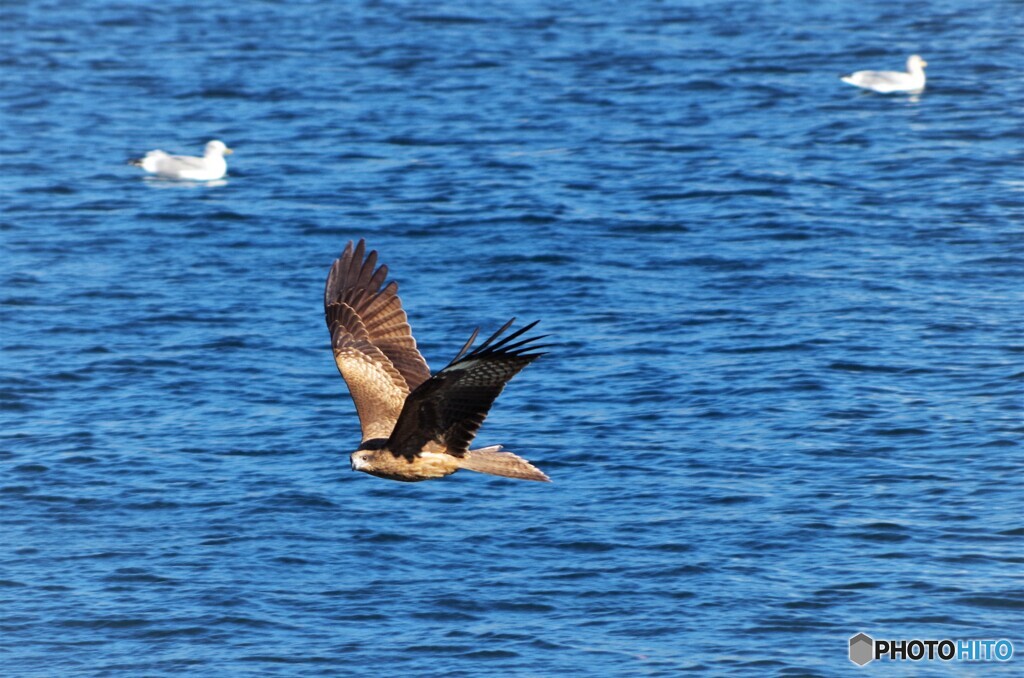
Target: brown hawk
[[416, 426]]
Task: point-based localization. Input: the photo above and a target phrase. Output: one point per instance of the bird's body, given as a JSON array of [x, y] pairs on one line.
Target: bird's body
[[424, 466], [210, 167], [888, 82], [416, 426]]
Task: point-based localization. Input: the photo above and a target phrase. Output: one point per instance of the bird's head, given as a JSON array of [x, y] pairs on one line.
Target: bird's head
[[915, 61], [361, 460], [217, 147]]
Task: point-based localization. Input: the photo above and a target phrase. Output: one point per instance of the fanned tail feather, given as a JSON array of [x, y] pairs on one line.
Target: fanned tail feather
[[492, 460]]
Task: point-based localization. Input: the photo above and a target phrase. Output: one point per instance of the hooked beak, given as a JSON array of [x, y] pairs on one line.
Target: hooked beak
[[228, 151]]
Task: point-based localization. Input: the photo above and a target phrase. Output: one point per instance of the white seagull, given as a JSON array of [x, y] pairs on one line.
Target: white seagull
[[887, 82], [207, 168]]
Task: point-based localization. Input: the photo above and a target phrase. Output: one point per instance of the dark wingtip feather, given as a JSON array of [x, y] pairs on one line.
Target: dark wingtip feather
[[511, 348], [465, 347], [496, 335], [503, 346]]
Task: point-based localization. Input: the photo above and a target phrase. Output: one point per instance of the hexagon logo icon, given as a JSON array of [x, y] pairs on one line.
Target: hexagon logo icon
[[862, 649]]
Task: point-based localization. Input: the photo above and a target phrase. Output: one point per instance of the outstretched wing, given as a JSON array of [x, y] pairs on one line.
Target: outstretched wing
[[448, 408], [373, 345]]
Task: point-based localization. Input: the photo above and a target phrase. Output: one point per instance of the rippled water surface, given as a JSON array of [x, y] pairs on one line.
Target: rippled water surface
[[785, 403]]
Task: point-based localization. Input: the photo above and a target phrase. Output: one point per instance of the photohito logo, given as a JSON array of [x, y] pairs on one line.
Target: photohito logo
[[864, 649]]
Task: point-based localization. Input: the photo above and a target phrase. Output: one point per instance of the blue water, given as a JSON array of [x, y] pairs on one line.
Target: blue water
[[785, 404]]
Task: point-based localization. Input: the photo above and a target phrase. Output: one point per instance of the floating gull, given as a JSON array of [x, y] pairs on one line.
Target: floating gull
[[416, 426], [887, 82], [207, 168]]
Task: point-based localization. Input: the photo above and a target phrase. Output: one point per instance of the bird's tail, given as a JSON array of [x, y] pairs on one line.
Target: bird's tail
[[492, 460], [135, 162]]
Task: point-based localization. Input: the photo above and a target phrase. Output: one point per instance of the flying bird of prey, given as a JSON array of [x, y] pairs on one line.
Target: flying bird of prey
[[207, 168], [416, 426]]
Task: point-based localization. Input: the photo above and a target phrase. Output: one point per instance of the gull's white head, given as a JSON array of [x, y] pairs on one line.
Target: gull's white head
[[217, 147], [916, 63]]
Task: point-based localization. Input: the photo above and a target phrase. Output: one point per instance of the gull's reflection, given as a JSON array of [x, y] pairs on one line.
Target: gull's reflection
[[164, 182]]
